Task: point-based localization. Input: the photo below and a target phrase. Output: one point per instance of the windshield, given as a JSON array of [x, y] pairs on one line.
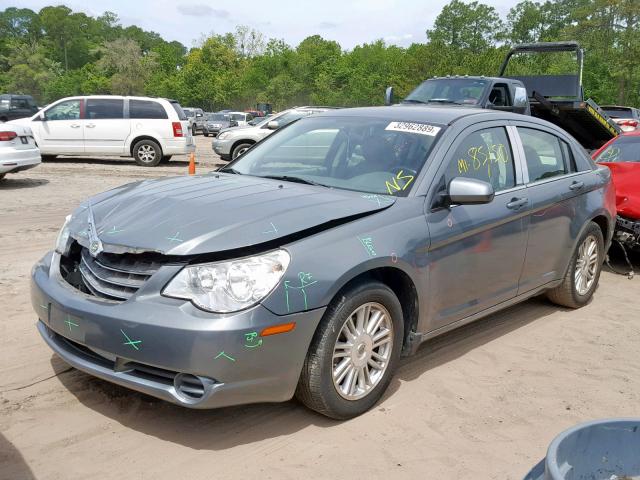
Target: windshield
[[219, 117], [463, 91], [238, 116], [624, 149], [188, 112], [364, 154]]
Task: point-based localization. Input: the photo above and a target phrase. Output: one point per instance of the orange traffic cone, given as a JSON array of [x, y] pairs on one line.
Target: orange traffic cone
[[192, 164]]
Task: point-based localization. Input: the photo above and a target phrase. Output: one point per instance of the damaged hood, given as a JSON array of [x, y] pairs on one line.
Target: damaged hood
[[213, 213], [626, 178]]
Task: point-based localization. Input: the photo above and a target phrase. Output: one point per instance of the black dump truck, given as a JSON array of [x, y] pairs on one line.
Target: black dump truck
[[558, 99]]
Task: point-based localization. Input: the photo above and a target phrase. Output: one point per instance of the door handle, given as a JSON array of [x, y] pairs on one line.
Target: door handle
[[75, 125], [517, 203], [576, 186], [91, 125]]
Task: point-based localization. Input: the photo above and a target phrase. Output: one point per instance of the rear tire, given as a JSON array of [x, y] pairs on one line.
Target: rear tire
[[583, 274], [240, 149], [147, 153], [354, 352], [206, 134], [48, 158]]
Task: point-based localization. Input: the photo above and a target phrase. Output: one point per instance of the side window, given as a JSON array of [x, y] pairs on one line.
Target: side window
[[104, 108], [19, 103], [484, 155], [569, 159], [69, 110], [543, 153], [500, 96], [146, 109]]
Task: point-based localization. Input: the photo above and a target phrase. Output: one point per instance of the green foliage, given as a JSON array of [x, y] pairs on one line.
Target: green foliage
[[56, 52]]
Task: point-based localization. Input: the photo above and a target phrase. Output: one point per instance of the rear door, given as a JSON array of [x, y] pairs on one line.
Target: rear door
[[62, 130], [556, 191], [105, 128], [477, 251]]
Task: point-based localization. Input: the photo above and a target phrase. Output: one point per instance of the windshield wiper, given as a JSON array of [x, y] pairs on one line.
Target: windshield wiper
[[289, 178], [443, 100], [230, 170], [412, 100]]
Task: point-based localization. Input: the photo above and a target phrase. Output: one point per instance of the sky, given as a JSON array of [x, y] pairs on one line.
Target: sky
[[349, 22]]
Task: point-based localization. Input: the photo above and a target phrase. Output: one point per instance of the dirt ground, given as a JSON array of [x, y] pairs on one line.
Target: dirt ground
[[482, 402]]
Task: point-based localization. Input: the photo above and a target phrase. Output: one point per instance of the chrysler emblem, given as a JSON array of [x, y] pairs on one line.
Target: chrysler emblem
[[95, 245]]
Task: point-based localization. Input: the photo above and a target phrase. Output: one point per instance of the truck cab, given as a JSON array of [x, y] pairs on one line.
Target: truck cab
[[505, 94]]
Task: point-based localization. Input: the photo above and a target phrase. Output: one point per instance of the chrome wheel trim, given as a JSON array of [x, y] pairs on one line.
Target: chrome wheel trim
[[146, 153], [362, 351], [586, 265]]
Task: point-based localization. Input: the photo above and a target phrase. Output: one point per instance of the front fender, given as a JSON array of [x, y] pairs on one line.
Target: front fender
[[324, 263]]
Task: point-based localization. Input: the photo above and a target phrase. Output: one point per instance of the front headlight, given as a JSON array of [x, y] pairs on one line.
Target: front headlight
[[229, 286], [62, 242], [223, 135]]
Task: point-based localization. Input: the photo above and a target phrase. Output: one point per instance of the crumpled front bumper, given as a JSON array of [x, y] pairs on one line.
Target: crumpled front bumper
[[168, 348]]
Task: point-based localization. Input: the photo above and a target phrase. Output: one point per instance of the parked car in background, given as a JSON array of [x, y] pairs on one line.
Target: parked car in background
[[241, 118], [229, 144], [13, 107], [622, 156], [255, 113], [627, 117], [18, 150], [214, 122], [308, 265], [196, 119], [150, 130]]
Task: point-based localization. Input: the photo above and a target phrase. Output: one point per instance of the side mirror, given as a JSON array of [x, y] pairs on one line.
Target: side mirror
[[388, 96], [41, 116], [469, 191], [273, 125]]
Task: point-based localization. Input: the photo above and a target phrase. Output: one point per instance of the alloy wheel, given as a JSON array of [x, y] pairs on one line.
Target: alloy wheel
[[362, 351], [586, 265], [146, 153]]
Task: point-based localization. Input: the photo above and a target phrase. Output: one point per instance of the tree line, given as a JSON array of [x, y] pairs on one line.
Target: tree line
[[56, 52]]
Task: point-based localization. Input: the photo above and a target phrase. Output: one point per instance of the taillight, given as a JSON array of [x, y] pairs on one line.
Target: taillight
[[177, 129], [7, 136]]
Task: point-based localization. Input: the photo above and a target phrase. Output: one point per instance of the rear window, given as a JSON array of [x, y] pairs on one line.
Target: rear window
[[624, 149], [618, 112], [176, 106], [104, 108], [146, 109]]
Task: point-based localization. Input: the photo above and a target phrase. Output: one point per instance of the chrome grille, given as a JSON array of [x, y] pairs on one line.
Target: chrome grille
[[114, 277]]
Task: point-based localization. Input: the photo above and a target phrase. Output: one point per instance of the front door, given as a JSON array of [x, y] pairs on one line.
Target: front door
[[477, 251], [105, 129], [61, 131]]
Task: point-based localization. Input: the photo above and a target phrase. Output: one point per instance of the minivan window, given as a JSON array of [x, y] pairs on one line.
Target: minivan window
[[104, 108], [67, 110], [19, 103], [371, 155], [146, 109], [176, 106], [484, 155], [543, 154]]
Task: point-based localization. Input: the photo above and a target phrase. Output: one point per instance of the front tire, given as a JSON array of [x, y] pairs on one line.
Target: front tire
[[147, 153], [354, 352], [240, 149], [583, 273]]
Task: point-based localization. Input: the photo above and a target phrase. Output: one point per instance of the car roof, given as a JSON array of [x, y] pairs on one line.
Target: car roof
[[415, 113]]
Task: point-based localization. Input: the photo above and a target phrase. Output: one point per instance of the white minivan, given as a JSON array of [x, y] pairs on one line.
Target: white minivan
[[150, 130]]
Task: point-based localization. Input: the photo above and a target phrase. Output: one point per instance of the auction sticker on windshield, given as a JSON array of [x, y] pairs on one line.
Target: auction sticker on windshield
[[421, 128]]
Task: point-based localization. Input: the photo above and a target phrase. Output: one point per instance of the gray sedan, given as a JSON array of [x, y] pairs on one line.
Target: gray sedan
[[311, 263]]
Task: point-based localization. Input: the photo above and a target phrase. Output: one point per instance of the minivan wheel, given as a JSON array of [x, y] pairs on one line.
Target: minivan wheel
[[147, 153], [581, 279], [240, 149], [353, 353]]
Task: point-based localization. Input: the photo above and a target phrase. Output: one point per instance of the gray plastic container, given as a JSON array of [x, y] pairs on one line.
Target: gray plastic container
[[598, 450]]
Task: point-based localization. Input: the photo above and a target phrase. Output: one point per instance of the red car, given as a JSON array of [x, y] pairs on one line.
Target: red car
[[622, 156]]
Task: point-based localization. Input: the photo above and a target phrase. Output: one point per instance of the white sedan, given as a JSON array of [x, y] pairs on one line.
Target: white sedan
[[18, 150]]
